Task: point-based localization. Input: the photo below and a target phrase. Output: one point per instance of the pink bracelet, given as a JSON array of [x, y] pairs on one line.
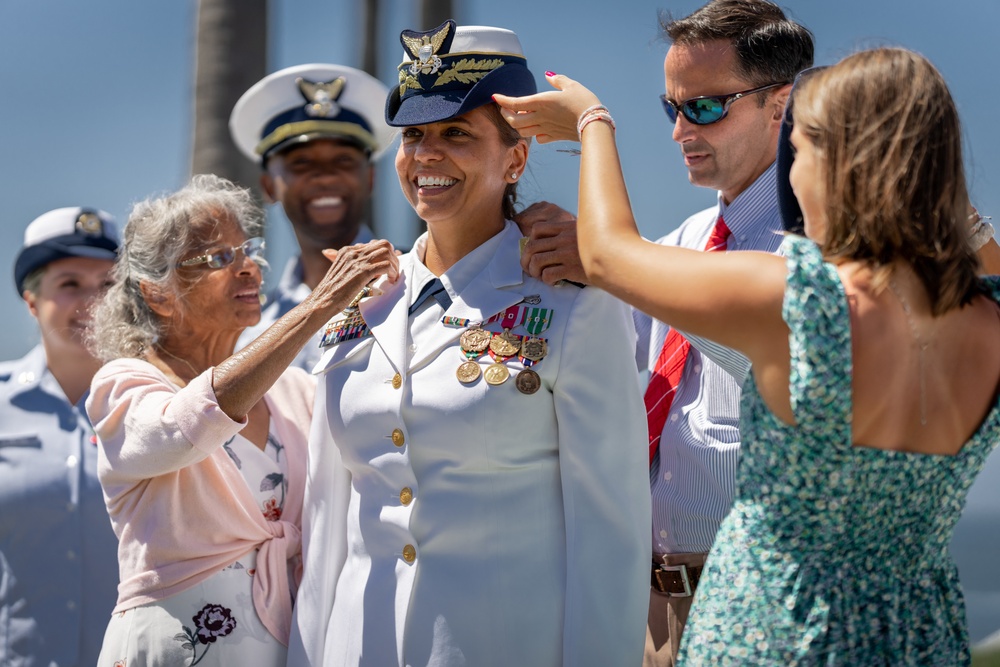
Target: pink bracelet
[[596, 112]]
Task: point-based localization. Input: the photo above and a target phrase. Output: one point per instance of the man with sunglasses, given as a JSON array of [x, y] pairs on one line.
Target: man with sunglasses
[[316, 131]]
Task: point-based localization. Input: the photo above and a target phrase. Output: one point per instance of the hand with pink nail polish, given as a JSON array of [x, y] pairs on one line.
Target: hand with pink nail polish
[[549, 116]]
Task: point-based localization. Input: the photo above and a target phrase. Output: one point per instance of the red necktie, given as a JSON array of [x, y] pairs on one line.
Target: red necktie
[[670, 364]]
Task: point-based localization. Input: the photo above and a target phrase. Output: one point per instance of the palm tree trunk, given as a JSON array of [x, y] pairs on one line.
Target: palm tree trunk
[[231, 56], [434, 12]]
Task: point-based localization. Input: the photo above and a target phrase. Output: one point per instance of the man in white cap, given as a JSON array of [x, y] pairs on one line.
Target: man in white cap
[[316, 130]]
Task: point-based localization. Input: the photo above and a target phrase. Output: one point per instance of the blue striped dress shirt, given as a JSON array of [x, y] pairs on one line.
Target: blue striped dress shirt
[[693, 478]]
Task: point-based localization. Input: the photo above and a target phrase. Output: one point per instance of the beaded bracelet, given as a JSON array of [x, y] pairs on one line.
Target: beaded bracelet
[[589, 115]]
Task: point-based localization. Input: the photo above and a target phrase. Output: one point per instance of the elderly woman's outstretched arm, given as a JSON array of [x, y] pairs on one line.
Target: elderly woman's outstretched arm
[[242, 379]]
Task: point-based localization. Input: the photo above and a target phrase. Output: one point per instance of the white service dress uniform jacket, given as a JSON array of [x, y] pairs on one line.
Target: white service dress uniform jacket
[[470, 524]]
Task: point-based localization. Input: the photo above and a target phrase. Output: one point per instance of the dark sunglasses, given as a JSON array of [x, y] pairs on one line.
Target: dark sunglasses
[[252, 248], [708, 109]]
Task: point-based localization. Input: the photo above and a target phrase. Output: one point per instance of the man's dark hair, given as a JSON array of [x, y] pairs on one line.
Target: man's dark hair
[[769, 47]]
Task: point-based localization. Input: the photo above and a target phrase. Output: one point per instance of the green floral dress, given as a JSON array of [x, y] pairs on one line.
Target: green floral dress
[[833, 554]]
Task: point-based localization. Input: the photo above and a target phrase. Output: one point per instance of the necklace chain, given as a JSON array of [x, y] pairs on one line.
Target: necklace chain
[[922, 346], [187, 363]]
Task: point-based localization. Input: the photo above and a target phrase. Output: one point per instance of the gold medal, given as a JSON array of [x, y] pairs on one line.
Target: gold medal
[[496, 374], [528, 382], [534, 348], [475, 340], [468, 372], [505, 344]]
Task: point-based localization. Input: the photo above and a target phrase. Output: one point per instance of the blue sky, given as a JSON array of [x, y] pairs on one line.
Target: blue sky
[[97, 107], [98, 96]]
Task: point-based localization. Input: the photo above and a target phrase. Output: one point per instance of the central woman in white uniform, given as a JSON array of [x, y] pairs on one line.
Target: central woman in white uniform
[[478, 485]]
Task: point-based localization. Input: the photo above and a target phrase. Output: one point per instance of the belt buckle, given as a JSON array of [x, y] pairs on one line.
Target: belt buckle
[[682, 569]]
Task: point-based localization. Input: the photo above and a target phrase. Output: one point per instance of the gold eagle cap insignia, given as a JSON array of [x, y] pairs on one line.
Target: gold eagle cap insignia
[[321, 96], [423, 48]]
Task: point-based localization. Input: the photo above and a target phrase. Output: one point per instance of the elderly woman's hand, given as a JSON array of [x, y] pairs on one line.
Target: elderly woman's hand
[[353, 268], [551, 116]]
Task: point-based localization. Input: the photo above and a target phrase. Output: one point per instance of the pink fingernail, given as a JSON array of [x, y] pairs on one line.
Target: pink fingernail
[[550, 74]]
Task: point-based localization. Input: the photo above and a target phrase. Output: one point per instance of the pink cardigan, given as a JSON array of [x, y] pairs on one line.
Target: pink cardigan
[[180, 507]]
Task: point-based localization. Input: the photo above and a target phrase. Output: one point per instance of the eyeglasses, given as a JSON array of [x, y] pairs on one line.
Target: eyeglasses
[[252, 248], [708, 109]]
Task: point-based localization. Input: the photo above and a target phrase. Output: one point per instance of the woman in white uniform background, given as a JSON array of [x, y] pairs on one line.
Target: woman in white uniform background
[[477, 489], [58, 570]]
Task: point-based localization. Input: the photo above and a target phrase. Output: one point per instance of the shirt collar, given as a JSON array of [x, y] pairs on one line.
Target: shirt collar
[[464, 271], [744, 212], [32, 373]]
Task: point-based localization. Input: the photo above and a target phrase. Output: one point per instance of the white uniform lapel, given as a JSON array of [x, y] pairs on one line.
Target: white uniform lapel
[[486, 295], [386, 316]]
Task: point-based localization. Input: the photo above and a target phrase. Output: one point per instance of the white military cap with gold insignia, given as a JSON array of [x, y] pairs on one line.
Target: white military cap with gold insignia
[[74, 231], [307, 102]]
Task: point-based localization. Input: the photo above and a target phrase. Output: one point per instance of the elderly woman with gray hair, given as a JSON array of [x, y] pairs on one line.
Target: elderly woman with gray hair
[[202, 455]]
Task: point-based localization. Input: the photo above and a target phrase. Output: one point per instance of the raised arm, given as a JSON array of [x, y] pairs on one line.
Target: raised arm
[[733, 298], [242, 379]]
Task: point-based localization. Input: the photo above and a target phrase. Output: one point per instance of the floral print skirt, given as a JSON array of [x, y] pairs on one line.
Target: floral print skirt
[[213, 623], [210, 625]]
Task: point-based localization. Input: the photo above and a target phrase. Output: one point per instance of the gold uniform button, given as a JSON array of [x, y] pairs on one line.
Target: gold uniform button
[[406, 495], [409, 553], [397, 381], [397, 437]]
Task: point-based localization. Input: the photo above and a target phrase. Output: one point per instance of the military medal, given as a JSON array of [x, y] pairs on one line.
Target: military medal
[[475, 340], [529, 349], [527, 381], [468, 372], [534, 348], [496, 374], [505, 344]]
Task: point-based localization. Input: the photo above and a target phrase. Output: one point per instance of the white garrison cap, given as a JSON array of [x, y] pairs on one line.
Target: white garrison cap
[[306, 102]]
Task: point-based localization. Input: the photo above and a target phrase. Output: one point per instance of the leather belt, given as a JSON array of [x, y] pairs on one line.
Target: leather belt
[[677, 581]]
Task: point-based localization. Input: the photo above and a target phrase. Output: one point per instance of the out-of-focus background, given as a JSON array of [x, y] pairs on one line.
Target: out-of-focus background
[[97, 102]]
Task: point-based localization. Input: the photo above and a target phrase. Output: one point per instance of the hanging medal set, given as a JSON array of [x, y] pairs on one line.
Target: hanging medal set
[[529, 349]]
